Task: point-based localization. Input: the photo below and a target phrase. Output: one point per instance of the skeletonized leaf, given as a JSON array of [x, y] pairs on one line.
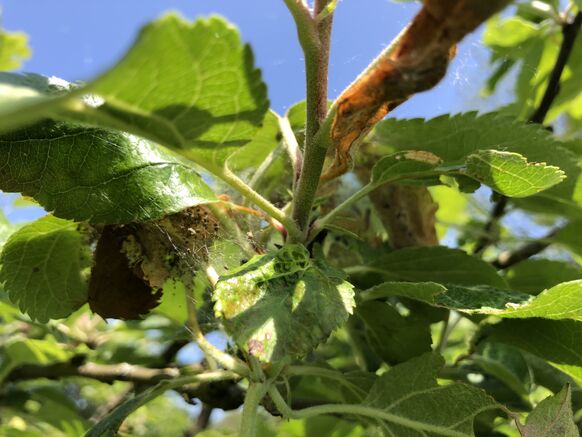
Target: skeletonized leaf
[[507, 173], [42, 265], [97, 175], [283, 303]]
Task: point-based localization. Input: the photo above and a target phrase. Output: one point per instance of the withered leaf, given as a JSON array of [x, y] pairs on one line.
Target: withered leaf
[[133, 262], [115, 290], [416, 63]]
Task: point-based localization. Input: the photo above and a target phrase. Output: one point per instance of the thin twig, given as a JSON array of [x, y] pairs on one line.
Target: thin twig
[[101, 372], [510, 258], [570, 31], [202, 421]]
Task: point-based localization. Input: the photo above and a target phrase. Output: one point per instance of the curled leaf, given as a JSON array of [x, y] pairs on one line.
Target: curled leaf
[[415, 62]]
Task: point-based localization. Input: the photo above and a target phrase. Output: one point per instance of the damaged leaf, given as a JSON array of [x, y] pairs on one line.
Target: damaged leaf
[[415, 62], [133, 262], [283, 303]]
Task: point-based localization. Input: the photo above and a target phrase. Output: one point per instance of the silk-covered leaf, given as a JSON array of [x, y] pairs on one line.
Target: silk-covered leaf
[[552, 417], [282, 303], [117, 289], [435, 264], [42, 268], [510, 174], [414, 404], [564, 301], [14, 50], [189, 86], [393, 337], [556, 341], [97, 175], [454, 138]]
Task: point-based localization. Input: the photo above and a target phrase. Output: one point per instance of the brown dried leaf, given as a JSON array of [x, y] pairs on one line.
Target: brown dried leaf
[[116, 290], [417, 63], [133, 262]]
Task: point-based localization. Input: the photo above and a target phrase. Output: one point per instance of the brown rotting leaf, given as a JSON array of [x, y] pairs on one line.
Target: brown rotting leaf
[[417, 63], [132, 262]]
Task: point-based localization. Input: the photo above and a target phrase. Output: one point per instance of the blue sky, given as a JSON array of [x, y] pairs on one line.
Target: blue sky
[[77, 40]]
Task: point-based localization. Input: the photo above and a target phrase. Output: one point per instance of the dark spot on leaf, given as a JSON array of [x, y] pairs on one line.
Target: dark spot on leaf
[[116, 290], [255, 347]]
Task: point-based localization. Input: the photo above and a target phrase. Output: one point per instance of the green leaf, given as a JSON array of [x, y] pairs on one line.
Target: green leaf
[[321, 426], [282, 304], [410, 392], [14, 50], [193, 87], [296, 114], [19, 351], [564, 301], [393, 337], [404, 165], [509, 33], [41, 267], [510, 174], [507, 364], [28, 97], [97, 175], [507, 173], [433, 264], [455, 138], [533, 275], [264, 162], [571, 237], [553, 417], [556, 341]]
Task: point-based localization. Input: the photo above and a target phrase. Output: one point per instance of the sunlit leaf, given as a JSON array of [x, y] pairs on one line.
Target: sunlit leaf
[[564, 301], [41, 267], [418, 405], [97, 175], [553, 417], [283, 303]]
